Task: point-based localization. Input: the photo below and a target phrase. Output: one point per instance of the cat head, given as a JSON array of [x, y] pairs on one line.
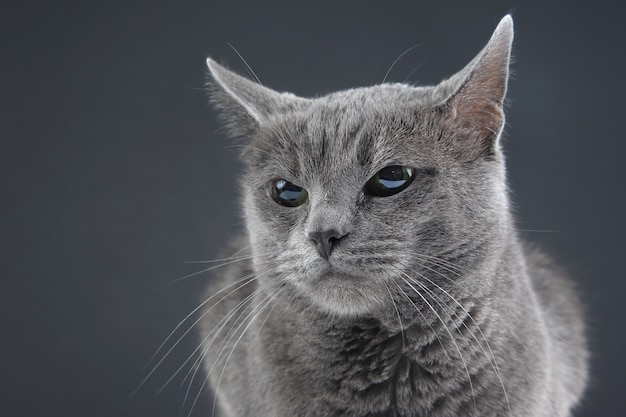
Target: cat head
[[348, 195]]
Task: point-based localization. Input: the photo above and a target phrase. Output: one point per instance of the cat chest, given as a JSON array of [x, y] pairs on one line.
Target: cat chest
[[377, 379], [398, 386]]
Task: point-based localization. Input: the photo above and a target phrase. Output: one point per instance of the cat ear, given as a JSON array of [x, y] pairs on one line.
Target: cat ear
[[244, 104], [475, 95]]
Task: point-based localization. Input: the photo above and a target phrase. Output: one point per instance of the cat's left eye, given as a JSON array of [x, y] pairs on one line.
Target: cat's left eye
[[288, 194], [389, 181]]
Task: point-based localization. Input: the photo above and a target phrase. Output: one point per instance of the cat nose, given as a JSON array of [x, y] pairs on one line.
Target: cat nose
[[325, 241]]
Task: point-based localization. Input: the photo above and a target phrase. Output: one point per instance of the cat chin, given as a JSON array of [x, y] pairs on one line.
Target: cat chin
[[343, 303], [342, 294]]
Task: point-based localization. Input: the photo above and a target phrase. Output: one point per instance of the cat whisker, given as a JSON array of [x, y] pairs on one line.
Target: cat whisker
[[268, 315], [395, 306], [237, 255], [398, 59], [208, 341], [245, 63], [249, 278], [449, 266], [539, 230], [246, 280], [413, 71], [452, 339], [248, 147], [213, 335], [211, 268], [443, 306], [266, 301], [202, 89], [191, 327], [453, 282], [443, 349], [232, 331], [491, 356], [227, 339], [202, 271]]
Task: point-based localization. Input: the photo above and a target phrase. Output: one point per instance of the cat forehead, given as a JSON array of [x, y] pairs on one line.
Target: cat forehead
[[377, 97], [365, 128], [365, 108]]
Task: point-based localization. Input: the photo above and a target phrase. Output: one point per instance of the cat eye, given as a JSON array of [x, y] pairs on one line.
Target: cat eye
[[288, 194], [389, 181]]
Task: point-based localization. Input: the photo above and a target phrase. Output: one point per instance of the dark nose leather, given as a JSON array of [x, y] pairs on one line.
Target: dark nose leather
[[325, 241]]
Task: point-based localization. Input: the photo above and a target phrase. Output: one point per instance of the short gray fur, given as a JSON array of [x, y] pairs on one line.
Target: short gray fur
[[430, 305]]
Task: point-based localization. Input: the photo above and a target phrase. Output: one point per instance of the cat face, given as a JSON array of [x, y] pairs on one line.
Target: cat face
[[346, 196]]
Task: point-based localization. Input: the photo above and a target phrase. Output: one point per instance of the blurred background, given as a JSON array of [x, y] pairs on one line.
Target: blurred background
[[114, 172]]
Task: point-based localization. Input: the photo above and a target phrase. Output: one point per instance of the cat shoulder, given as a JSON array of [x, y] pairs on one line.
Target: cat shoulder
[[563, 314]]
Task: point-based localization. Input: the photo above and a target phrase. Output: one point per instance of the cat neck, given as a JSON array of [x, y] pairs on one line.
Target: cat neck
[[387, 368]]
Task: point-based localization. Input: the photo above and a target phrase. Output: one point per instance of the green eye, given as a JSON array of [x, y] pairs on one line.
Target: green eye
[[288, 194], [389, 181]]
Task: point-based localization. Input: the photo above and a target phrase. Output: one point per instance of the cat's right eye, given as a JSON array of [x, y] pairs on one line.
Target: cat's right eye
[[288, 194]]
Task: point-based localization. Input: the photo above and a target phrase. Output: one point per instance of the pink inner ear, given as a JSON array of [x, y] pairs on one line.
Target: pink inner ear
[[477, 105], [477, 122], [481, 96], [480, 109]]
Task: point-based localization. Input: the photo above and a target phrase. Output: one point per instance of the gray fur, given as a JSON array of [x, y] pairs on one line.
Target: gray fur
[[430, 305]]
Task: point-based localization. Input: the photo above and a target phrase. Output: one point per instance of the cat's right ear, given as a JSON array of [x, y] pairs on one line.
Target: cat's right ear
[[245, 105]]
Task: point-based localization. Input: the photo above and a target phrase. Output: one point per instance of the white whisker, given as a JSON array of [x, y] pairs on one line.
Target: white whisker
[[249, 278], [202, 271], [395, 306], [398, 59], [491, 356], [266, 302], [213, 335], [206, 344], [413, 71], [443, 349], [469, 379], [246, 64], [453, 282]]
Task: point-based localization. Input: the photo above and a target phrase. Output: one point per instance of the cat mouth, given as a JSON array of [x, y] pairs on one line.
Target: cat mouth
[[335, 273], [341, 292], [332, 270]]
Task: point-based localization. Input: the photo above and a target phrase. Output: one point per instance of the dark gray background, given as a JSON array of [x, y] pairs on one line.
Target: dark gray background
[[114, 173]]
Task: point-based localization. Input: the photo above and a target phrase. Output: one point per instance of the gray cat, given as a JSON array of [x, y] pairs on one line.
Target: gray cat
[[381, 273]]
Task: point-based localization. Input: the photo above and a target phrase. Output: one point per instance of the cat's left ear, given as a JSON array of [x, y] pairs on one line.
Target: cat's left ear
[[244, 104], [475, 95]]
